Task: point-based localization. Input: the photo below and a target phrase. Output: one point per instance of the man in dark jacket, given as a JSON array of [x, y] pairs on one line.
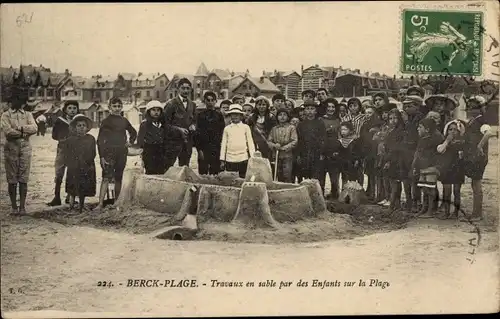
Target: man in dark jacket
[[179, 126], [210, 126]]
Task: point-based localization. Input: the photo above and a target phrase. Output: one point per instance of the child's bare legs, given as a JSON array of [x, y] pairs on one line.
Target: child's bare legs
[[23, 191], [13, 197], [425, 203], [456, 200], [477, 199], [446, 202], [408, 194], [102, 193]]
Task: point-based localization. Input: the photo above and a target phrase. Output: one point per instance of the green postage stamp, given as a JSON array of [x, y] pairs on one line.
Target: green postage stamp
[[442, 42]]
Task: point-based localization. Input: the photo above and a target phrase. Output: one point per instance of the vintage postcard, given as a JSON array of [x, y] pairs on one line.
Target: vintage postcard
[[249, 159]]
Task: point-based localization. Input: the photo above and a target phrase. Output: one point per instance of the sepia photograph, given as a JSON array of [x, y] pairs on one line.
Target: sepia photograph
[[249, 159]]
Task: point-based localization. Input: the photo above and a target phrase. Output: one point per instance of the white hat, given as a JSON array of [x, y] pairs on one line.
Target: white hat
[[478, 98], [235, 108], [153, 104]]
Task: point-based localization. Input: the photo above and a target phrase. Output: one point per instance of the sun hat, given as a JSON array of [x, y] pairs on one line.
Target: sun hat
[[413, 99], [152, 104], [415, 90], [481, 101], [81, 117], [449, 103], [235, 109]]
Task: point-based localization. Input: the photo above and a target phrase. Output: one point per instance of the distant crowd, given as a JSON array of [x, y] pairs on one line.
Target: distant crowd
[[395, 149]]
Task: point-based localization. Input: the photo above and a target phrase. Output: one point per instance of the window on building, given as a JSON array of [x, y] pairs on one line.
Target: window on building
[[162, 83], [107, 95], [198, 85], [50, 92], [97, 94], [148, 93], [39, 92], [139, 93], [31, 92], [171, 96], [157, 94]]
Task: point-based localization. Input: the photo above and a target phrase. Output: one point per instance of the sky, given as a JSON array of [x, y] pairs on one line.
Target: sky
[[107, 39]]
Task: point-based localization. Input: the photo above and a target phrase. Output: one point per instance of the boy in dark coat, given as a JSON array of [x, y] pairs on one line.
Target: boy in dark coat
[[113, 148], [412, 116], [151, 139], [425, 165], [210, 126], [311, 144], [393, 157], [60, 132]]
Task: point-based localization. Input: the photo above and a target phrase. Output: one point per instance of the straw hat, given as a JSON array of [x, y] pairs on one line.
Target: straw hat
[[81, 117], [450, 104], [481, 101], [415, 90], [152, 104], [235, 109], [413, 99]]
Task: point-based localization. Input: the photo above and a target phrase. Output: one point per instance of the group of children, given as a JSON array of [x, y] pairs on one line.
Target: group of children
[[409, 149]]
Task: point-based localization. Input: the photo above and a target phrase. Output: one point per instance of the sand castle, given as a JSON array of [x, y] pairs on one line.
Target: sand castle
[[253, 202]]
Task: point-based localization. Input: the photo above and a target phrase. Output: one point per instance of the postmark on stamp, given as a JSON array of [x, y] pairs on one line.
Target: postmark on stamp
[[439, 42]]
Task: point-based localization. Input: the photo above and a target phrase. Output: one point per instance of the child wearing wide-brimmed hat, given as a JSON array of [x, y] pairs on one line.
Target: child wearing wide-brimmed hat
[[237, 143], [79, 154], [151, 139], [443, 105], [283, 139]]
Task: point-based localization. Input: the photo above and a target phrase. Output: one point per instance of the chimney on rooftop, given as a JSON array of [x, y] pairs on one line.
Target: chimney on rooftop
[[261, 79], [316, 65]]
